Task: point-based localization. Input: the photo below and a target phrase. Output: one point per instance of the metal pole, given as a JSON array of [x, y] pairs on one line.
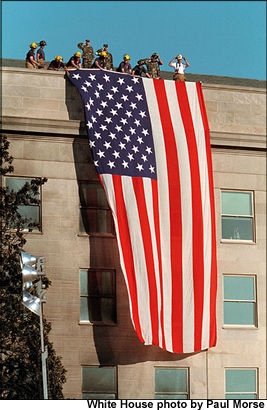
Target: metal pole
[[43, 347]]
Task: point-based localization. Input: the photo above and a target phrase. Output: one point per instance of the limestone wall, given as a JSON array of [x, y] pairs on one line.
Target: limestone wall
[[43, 118]]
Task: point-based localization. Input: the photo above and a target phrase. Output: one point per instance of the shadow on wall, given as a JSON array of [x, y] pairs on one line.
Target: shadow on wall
[[114, 344]]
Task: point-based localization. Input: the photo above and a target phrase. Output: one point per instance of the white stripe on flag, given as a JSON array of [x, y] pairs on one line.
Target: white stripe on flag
[[139, 259], [149, 202], [186, 204], [163, 193], [204, 179], [109, 190]]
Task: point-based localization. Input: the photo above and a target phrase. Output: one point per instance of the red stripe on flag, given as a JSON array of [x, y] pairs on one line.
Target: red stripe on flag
[[157, 232], [213, 279], [198, 254], [138, 186], [125, 241], [175, 216]]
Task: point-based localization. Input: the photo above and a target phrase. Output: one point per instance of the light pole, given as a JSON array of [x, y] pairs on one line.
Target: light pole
[[32, 268]]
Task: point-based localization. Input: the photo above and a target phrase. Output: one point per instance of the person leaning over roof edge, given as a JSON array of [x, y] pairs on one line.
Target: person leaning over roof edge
[[125, 66], [139, 69], [100, 62], [179, 67], [75, 61], [109, 58], [56, 64]]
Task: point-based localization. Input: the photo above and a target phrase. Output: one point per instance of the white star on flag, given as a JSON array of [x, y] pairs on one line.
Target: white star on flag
[[99, 112], [107, 145], [111, 164], [76, 76], [116, 154], [142, 113], [101, 154], [125, 164], [139, 97]]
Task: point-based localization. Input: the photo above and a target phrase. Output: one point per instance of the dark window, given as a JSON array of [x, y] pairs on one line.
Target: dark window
[[95, 214], [171, 384], [97, 296], [99, 383], [31, 212]]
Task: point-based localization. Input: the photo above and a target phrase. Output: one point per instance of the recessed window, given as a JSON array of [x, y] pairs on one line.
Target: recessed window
[[241, 384], [97, 296], [31, 212], [95, 215], [237, 215], [239, 303], [171, 384], [99, 383]]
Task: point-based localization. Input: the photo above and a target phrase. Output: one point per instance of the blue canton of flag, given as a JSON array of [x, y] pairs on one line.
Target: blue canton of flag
[[118, 123]]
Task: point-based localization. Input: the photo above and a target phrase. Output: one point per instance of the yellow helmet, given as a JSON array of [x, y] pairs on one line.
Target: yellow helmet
[[102, 53], [127, 57], [179, 57], [78, 54], [58, 58], [33, 45]]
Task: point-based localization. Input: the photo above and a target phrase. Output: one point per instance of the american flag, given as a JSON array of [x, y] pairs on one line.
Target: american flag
[[151, 148]]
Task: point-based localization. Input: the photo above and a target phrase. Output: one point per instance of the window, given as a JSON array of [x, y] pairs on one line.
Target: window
[[239, 304], [241, 384], [95, 215], [171, 384], [32, 212], [99, 383], [237, 215], [97, 296]]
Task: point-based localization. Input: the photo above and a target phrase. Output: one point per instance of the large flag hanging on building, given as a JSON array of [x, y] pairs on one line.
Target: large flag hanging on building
[[151, 147]]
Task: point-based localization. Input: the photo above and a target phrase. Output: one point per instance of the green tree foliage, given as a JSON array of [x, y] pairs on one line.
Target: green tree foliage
[[20, 351]]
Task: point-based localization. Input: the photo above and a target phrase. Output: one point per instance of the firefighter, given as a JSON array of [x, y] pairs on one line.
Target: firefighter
[[41, 55], [30, 61], [75, 61]]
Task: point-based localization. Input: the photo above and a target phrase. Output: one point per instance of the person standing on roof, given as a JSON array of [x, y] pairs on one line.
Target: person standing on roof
[[41, 55], [179, 67], [30, 61], [75, 61], [125, 66], [88, 53], [109, 58], [153, 64], [100, 62]]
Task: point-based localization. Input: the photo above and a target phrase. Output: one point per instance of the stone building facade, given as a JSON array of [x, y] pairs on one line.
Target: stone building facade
[[43, 119]]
